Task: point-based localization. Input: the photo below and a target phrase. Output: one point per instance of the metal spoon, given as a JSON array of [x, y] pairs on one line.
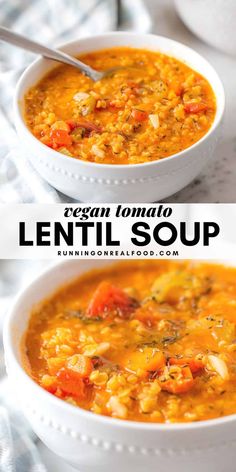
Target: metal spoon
[[20, 41]]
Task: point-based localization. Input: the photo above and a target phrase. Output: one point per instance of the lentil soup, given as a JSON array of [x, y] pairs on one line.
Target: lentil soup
[[151, 341], [153, 107]]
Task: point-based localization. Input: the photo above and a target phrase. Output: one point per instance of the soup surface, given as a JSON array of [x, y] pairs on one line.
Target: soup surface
[[152, 107], [148, 341]]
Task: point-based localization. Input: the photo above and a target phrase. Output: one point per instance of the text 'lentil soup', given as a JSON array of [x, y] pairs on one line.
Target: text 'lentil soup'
[[151, 341], [154, 106]]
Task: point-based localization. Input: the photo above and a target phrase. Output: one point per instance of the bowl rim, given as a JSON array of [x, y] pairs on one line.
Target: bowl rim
[[77, 411], [106, 166]]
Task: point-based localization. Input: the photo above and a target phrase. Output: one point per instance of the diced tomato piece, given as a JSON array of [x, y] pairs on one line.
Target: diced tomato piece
[[182, 384], [108, 298], [80, 365], [46, 140], [51, 389], [72, 124], [70, 383], [139, 115], [194, 364], [60, 137], [191, 107], [49, 144]]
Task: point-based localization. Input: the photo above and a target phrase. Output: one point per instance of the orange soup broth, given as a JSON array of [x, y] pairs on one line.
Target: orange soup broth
[[160, 348], [153, 107]]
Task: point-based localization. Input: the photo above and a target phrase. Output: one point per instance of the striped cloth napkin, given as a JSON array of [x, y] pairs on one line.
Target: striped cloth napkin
[[18, 449], [49, 22]]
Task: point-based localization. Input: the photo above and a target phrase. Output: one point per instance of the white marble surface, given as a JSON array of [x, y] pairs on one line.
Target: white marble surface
[[217, 183]]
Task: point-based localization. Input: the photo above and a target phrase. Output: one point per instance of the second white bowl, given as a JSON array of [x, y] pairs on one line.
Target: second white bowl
[[93, 442], [213, 21]]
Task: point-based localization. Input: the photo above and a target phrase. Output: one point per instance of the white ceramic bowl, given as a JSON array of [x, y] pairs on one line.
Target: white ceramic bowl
[[212, 20], [91, 182], [92, 442]]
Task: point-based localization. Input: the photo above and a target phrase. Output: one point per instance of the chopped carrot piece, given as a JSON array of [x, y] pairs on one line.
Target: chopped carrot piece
[[139, 115], [51, 389], [148, 313], [182, 383], [194, 364], [70, 383], [108, 298], [147, 360], [192, 107], [80, 365]]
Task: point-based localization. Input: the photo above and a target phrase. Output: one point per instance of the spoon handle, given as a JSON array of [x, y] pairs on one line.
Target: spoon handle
[[54, 54]]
